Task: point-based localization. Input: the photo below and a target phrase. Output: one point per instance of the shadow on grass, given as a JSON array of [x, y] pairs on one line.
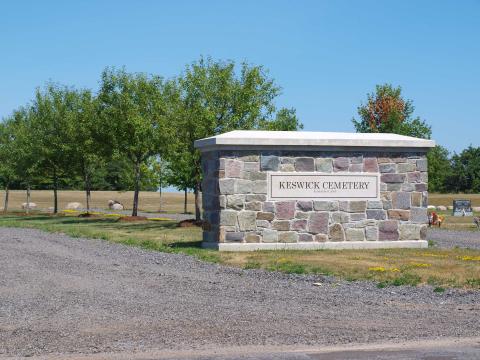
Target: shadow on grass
[[186, 244]]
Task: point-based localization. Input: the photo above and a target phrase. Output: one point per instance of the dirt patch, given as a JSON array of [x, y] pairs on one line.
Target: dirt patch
[[132, 218], [87, 215]]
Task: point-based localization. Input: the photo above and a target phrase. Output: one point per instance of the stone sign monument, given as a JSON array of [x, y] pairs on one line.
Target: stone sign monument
[[313, 190]]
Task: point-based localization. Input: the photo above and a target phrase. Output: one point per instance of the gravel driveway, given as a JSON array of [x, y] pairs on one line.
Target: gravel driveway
[[64, 295], [452, 238]]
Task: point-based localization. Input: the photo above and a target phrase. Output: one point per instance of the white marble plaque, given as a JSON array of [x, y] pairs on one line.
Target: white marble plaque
[[311, 186]]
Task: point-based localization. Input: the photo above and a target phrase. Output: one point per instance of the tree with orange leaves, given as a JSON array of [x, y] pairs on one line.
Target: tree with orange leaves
[[386, 111]]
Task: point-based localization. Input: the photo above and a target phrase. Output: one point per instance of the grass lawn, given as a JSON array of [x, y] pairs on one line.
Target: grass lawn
[[438, 267]]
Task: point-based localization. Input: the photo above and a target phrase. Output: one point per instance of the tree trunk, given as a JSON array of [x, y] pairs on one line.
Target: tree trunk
[[197, 201], [87, 190], [160, 191], [27, 210], [185, 202], [5, 205], [55, 195], [137, 189]]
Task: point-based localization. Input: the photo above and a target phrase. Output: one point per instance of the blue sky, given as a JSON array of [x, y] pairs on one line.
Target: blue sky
[[326, 55]]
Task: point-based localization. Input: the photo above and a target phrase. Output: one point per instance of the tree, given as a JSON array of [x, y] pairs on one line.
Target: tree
[[53, 124], [215, 98], [285, 120], [133, 113], [386, 111], [465, 174], [162, 174], [7, 158], [439, 169]]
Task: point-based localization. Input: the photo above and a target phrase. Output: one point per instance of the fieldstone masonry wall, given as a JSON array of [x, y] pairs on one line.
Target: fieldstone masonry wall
[[236, 207]]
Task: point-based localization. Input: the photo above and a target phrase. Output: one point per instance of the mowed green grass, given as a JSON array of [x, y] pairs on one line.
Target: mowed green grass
[[437, 267]]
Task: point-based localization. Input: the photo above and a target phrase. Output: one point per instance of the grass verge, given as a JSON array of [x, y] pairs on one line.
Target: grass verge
[[440, 268]]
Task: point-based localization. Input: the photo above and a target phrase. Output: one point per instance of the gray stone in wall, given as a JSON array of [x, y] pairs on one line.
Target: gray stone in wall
[[387, 168], [365, 223], [401, 200], [324, 165], [339, 217], [287, 168], [247, 220], [376, 214], [318, 222], [423, 232], [235, 201], [228, 217], [263, 224], [281, 225], [305, 237], [422, 165], [356, 159], [302, 214], [304, 164], [269, 206], [407, 187], [255, 175], [358, 216], [234, 236], [371, 233], [269, 236], [269, 163], [424, 177], [354, 234], [355, 168], [399, 159], [288, 160], [222, 201], [406, 167], [336, 233], [255, 197], [251, 166], [320, 205], [374, 204], [285, 210], [249, 158], [418, 215], [421, 187], [394, 187], [409, 231], [305, 205], [243, 186], [260, 186], [341, 164], [227, 186], [387, 204], [287, 237], [392, 178], [253, 205], [388, 230]]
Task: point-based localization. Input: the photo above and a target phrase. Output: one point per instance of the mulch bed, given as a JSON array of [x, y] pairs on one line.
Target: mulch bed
[[190, 223]]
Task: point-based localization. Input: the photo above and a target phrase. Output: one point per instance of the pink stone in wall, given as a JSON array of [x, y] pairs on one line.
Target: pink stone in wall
[[370, 165], [285, 210], [233, 168]]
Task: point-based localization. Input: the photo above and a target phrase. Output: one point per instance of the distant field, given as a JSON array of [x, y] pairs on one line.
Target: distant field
[[149, 201], [447, 199]]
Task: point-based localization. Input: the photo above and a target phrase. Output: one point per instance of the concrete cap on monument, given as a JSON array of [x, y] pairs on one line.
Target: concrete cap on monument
[[248, 138]]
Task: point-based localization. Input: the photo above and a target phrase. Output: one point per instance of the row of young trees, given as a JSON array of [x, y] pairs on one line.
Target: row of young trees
[[387, 111], [143, 123]]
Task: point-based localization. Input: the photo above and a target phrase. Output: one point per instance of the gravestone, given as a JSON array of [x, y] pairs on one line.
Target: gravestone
[[313, 190], [462, 208]]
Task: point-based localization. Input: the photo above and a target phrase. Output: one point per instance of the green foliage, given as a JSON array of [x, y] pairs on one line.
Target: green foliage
[[465, 174], [439, 169], [387, 112]]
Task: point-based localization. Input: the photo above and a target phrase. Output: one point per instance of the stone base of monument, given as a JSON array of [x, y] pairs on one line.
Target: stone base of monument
[[270, 190], [409, 244]]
